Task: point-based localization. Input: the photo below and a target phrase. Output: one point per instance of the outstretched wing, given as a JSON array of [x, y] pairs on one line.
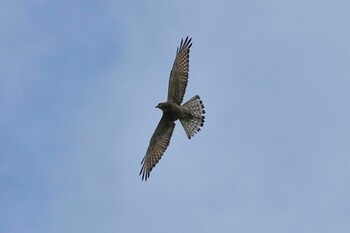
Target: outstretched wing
[[179, 73], [157, 146]]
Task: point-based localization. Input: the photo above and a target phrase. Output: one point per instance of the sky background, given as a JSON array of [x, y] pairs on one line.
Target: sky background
[[78, 84]]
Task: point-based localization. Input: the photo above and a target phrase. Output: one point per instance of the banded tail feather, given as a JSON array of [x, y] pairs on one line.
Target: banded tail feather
[[195, 110]]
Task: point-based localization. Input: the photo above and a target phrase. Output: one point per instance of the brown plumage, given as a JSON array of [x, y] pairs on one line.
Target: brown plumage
[[190, 114]]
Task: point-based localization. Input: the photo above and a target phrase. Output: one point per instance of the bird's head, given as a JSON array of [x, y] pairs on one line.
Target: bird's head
[[160, 106]]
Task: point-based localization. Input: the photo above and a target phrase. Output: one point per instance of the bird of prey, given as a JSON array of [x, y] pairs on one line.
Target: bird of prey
[[190, 114]]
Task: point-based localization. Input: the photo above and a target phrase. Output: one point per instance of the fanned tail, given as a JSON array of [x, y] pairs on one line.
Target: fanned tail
[[195, 119]]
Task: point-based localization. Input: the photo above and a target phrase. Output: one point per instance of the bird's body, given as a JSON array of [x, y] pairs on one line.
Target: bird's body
[[190, 114]]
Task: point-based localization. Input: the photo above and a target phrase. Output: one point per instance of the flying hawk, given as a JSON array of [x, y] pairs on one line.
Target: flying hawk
[[190, 114]]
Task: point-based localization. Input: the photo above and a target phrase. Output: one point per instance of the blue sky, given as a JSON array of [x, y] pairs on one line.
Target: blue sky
[[78, 86]]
